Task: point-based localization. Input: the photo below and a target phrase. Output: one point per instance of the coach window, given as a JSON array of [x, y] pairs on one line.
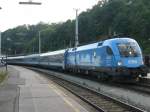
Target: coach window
[[109, 50], [74, 49]]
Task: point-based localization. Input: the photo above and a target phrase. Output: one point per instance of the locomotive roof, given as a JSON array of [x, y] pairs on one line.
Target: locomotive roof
[[103, 43], [53, 53]]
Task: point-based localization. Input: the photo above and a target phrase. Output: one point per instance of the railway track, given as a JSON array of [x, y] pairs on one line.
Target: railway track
[[101, 102], [139, 87], [142, 87]]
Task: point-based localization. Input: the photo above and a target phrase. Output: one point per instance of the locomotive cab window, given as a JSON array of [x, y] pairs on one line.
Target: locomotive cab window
[[128, 49], [109, 50]]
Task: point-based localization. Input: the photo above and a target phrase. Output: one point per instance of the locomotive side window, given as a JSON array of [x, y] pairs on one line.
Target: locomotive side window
[[109, 51], [100, 44]]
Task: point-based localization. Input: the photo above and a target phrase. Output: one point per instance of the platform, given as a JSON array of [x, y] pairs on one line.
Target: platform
[[30, 92]]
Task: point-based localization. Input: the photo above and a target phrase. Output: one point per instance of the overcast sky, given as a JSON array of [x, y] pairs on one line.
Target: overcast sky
[[51, 11]]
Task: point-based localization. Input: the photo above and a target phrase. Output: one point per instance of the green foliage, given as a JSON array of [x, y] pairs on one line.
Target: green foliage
[[122, 17], [3, 74]]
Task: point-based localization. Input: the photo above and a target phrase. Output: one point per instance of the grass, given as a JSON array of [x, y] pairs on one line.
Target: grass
[[3, 74]]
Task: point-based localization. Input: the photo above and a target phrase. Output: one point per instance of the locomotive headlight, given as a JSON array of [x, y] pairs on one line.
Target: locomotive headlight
[[142, 62], [119, 63]]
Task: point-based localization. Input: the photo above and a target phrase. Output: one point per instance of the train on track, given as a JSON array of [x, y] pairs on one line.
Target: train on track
[[115, 59]]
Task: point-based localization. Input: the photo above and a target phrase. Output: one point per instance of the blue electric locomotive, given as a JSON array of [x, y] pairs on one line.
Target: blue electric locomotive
[[112, 58], [115, 58]]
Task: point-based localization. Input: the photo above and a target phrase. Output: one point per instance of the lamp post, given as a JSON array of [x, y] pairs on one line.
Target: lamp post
[[7, 39], [40, 39], [39, 42], [76, 29]]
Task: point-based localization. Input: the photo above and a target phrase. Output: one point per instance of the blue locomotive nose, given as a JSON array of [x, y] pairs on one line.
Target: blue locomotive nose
[[130, 54], [131, 62]]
